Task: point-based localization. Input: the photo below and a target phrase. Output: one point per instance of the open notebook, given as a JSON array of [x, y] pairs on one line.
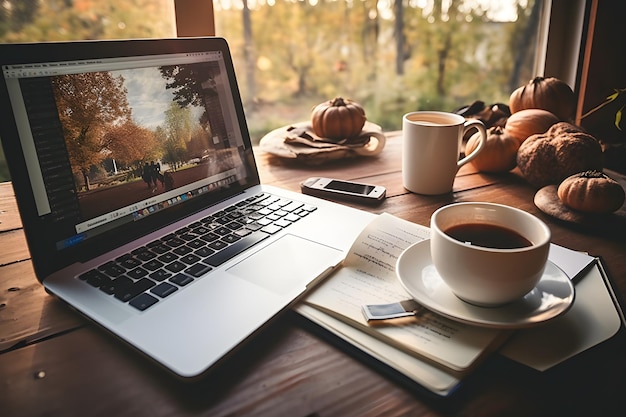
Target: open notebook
[[140, 198]]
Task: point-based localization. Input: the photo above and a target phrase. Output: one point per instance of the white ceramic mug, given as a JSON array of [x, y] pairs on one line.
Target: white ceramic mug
[[431, 145], [492, 274]]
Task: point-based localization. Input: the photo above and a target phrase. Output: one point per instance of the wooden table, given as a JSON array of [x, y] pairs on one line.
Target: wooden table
[[53, 362]]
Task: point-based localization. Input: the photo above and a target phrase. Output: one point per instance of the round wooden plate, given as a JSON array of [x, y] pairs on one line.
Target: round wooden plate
[[370, 143], [547, 200]]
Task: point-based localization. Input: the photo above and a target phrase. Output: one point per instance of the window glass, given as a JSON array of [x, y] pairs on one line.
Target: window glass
[[391, 56], [58, 20]]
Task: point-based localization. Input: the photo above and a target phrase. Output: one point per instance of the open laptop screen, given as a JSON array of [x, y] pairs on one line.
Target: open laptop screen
[[125, 141]]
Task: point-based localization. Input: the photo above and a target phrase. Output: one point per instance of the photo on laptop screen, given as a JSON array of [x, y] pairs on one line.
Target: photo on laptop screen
[[109, 142]]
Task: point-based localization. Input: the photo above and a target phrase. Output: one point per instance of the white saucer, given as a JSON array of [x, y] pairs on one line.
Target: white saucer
[[553, 295]]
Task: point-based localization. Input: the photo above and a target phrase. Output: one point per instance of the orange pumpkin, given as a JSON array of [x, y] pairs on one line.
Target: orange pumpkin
[[529, 122], [591, 192], [338, 119], [549, 94], [499, 153]]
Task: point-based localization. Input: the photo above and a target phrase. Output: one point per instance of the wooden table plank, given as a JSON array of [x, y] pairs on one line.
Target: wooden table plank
[[9, 216], [14, 248], [27, 312]]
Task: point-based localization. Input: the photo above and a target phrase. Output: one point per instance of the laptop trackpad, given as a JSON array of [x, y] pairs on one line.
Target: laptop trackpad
[[288, 264]]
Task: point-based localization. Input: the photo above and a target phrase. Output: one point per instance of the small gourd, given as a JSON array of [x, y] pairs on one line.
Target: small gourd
[[591, 192], [499, 154], [547, 93], [528, 122], [338, 119]]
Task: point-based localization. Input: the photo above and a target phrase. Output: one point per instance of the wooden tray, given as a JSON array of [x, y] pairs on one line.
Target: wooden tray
[[547, 200], [370, 142]]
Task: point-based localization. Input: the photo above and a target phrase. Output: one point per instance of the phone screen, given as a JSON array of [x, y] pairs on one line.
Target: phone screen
[[350, 187]]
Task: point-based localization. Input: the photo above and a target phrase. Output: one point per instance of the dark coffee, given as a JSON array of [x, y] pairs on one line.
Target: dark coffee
[[488, 235]]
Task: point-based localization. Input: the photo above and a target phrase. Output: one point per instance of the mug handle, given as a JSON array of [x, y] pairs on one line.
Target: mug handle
[[478, 125], [374, 146]]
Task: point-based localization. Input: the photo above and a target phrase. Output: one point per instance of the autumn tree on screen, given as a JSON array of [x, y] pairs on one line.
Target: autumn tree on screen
[[176, 133], [89, 106], [131, 144]]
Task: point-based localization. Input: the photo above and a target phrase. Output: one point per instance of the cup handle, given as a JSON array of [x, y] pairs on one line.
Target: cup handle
[[478, 125], [374, 146]]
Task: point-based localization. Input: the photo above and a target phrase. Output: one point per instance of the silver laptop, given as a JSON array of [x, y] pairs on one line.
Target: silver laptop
[[141, 202]]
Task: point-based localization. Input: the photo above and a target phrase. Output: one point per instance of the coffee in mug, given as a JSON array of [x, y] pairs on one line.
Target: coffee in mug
[[487, 236]]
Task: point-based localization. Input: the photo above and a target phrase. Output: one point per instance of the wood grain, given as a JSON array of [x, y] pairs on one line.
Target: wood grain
[[53, 363]]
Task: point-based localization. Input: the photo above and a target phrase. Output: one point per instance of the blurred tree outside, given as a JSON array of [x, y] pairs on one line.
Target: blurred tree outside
[[63, 20], [392, 56]]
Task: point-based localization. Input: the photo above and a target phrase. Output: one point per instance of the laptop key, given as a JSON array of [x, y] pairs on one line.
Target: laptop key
[[188, 237], [190, 259], [272, 228], [129, 262], [210, 237], [181, 279], [254, 226], [112, 269], [137, 273], [93, 277], [200, 230], [218, 245], [222, 231], [198, 270], [292, 206], [153, 265], [282, 223], [143, 301], [160, 249], [117, 284], [231, 238], [204, 252], [164, 289], [166, 258], [129, 292], [174, 242], [160, 275], [108, 286], [242, 232], [292, 217], [182, 250], [236, 248], [144, 255], [175, 266], [196, 244]]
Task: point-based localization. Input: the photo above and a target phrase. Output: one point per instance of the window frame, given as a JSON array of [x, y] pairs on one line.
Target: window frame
[[194, 18]]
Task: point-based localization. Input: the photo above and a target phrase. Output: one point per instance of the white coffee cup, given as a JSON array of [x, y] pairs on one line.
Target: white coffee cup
[[431, 145], [488, 276]]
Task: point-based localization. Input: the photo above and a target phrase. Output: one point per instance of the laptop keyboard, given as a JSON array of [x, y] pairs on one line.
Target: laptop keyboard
[[157, 270]]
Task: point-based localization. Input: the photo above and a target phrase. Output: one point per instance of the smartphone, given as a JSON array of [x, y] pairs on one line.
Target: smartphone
[[343, 190]]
